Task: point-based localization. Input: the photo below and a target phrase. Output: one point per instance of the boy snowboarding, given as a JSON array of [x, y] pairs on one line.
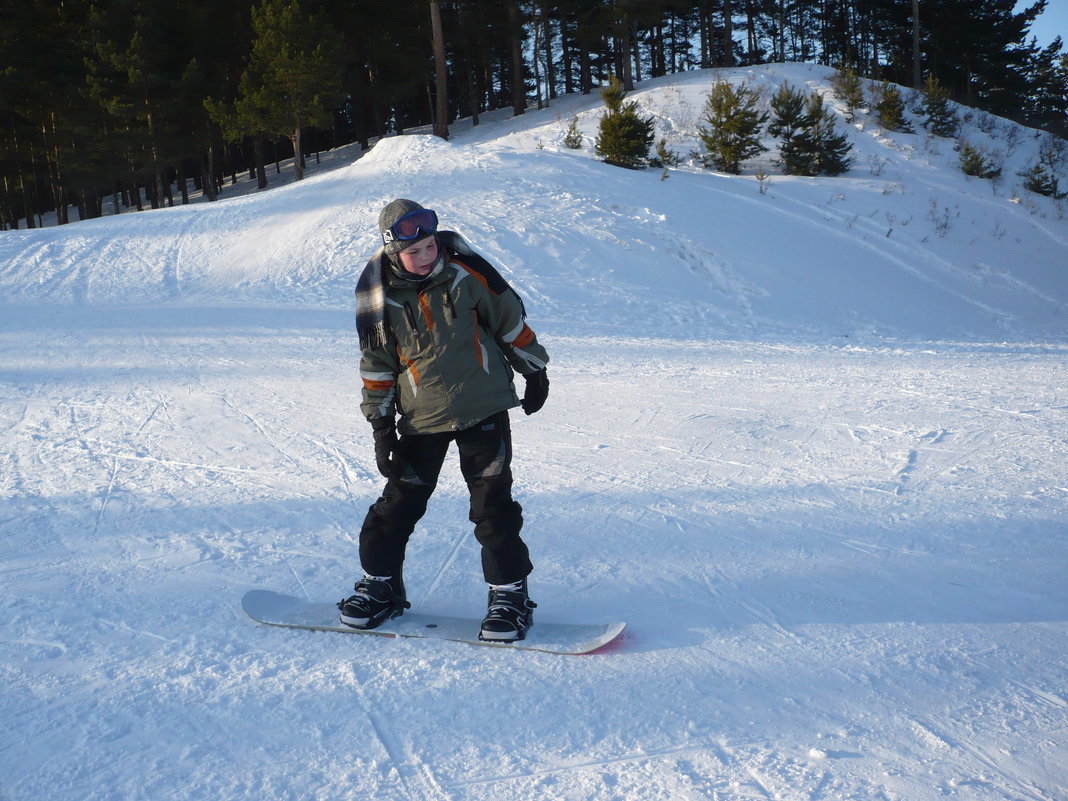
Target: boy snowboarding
[[441, 336]]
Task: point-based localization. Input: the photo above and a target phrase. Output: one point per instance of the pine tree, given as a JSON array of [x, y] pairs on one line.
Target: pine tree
[[1041, 181], [811, 145], [788, 121], [665, 156], [978, 48], [975, 162], [142, 79], [572, 136], [624, 136], [1046, 103], [847, 87], [292, 78], [891, 109], [49, 128], [941, 117], [734, 126], [830, 150]]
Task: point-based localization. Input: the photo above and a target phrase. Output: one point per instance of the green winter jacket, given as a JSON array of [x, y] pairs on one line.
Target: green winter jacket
[[454, 341]]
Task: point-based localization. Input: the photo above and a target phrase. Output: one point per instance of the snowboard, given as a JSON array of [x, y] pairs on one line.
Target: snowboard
[[276, 609]]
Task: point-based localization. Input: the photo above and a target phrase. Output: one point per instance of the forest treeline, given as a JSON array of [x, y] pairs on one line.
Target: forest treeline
[[106, 102]]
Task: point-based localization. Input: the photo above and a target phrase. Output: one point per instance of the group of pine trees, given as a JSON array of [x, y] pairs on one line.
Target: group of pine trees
[[732, 131], [735, 122], [109, 102]]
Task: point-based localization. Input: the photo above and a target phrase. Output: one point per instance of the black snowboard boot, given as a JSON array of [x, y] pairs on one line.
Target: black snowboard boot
[[377, 600], [510, 613]]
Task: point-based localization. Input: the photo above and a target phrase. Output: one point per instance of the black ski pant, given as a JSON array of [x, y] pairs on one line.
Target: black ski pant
[[485, 461]]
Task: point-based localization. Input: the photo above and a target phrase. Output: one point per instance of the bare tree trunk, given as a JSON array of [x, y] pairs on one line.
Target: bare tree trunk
[[623, 43], [519, 89], [536, 64], [441, 111], [260, 167], [298, 161], [728, 33], [182, 184], [636, 53], [550, 68], [55, 169], [656, 47], [28, 183], [568, 63], [211, 187], [27, 207], [150, 119], [11, 212], [750, 25], [917, 68], [474, 96], [782, 31]]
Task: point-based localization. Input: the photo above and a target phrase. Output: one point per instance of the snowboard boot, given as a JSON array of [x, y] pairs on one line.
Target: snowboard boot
[[510, 613], [377, 599]]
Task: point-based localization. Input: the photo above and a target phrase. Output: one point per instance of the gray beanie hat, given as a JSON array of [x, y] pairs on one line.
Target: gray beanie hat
[[393, 211]]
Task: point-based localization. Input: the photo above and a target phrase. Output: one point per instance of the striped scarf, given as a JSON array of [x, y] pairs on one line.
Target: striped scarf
[[371, 303], [371, 291]]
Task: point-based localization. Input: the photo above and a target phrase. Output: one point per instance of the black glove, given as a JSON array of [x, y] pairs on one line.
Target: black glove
[[386, 443], [537, 391]]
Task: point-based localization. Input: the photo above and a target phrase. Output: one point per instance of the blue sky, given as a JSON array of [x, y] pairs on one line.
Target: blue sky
[[1051, 23]]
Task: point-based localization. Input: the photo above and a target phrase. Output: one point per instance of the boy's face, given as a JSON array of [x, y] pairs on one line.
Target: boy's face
[[420, 257]]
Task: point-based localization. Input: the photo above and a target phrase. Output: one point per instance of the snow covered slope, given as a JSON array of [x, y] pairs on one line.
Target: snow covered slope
[[809, 443], [905, 245]]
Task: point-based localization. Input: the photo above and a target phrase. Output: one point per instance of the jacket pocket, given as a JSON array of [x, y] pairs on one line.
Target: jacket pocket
[[508, 371]]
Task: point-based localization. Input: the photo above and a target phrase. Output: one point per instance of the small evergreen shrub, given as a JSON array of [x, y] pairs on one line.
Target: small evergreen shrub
[[891, 109], [787, 123], [830, 149], [733, 129], [624, 136], [975, 162], [847, 87], [941, 119], [665, 156], [572, 136], [1040, 180], [810, 143]]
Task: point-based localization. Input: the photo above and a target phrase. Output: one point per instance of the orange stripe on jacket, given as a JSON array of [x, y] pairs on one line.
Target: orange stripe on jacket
[[410, 365], [424, 304], [526, 336], [378, 386]]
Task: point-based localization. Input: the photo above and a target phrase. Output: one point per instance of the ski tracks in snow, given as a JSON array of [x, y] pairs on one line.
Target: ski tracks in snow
[[706, 768], [261, 430], [414, 777]]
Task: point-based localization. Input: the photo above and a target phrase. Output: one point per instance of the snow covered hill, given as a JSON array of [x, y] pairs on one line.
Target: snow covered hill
[[809, 442], [904, 246]]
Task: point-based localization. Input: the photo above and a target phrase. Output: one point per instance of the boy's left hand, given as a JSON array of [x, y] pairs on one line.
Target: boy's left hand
[[537, 391]]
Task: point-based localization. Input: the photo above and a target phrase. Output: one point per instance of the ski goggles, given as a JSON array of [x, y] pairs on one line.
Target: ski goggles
[[413, 225]]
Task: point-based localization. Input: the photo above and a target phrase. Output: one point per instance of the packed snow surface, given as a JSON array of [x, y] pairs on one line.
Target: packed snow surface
[[810, 443]]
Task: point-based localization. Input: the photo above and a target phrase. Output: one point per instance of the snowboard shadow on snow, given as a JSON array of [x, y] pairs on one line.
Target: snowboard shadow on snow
[[674, 588]]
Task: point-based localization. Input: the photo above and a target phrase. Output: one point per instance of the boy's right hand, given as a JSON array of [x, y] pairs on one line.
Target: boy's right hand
[[386, 442]]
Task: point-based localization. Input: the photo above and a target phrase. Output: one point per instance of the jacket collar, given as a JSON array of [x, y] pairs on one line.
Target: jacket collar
[[399, 280]]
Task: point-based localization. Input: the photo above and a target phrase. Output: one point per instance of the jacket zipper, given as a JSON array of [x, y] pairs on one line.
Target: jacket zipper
[[411, 317]]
